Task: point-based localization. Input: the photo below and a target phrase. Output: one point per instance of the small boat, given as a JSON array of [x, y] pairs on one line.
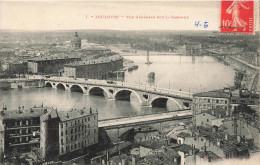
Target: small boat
[[135, 67], [130, 69]]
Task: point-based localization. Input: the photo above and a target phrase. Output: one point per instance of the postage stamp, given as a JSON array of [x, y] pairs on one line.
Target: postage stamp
[[237, 16]]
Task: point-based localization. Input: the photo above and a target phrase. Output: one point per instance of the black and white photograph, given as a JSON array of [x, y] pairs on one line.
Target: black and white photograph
[[129, 83]]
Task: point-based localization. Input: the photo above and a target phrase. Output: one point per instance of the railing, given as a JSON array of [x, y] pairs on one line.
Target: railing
[[146, 88], [146, 119], [22, 126]]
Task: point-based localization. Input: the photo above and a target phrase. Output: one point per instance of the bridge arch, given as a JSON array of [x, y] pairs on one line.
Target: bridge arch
[[161, 102], [98, 91], [124, 94], [61, 86], [76, 88], [48, 84]]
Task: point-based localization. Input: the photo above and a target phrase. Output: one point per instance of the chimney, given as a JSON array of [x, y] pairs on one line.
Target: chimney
[[133, 160], [2, 113], [81, 112], [213, 112], [227, 113], [67, 115], [45, 111], [31, 110], [238, 139], [4, 108], [90, 110]]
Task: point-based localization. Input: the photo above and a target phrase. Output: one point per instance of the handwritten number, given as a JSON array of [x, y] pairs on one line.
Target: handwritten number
[[197, 23], [206, 24]]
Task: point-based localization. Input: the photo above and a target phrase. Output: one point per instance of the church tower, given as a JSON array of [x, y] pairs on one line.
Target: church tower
[[76, 42]]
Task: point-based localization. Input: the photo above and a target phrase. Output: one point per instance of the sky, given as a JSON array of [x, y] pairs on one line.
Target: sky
[[57, 15]]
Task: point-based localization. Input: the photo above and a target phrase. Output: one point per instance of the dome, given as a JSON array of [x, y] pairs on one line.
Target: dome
[[76, 38]]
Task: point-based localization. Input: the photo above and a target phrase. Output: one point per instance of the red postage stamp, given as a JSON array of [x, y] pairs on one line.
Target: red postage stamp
[[237, 16]]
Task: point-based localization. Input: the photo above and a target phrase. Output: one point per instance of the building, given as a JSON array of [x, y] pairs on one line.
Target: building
[[94, 69], [211, 117], [77, 129], [24, 129], [76, 42], [50, 64], [2, 139], [251, 102], [51, 133], [243, 130], [210, 100]]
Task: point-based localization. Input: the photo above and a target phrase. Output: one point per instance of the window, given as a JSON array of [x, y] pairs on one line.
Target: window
[[88, 132], [208, 100], [66, 132], [61, 125], [88, 125], [88, 118], [225, 101], [217, 101], [195, 138], [66, 124], [95, 131], [201, 139], [61, 133], [85, 119], [94, 117], [75, 122], [207, 120], [71, 138], [61, 141], [62, 150], [203, 114]]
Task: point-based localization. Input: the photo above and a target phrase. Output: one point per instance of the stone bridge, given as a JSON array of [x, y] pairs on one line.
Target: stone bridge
[[147, 95]]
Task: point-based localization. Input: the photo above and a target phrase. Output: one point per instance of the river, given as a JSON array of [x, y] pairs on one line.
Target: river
[[187, 73]]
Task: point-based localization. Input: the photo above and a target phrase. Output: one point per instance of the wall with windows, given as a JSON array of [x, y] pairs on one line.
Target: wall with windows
[[78, 133], [204, 103]]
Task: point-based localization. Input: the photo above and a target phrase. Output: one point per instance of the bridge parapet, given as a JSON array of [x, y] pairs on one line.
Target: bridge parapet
[[147, 95]]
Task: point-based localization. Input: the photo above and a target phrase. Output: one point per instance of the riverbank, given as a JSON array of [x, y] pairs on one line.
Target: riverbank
[[21, 83]]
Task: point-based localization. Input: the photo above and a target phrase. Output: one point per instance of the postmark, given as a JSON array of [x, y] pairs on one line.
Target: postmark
[[237, 16]]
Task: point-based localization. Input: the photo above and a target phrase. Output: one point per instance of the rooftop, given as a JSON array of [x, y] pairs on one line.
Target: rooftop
[[56, 57], [95, 61], [215, 112], [25, 113], [215, 94], [152, 144], [183, 134], [184, 148], [75, 113]]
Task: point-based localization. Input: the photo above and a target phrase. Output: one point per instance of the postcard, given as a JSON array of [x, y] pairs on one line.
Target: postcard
[[129, 82]]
